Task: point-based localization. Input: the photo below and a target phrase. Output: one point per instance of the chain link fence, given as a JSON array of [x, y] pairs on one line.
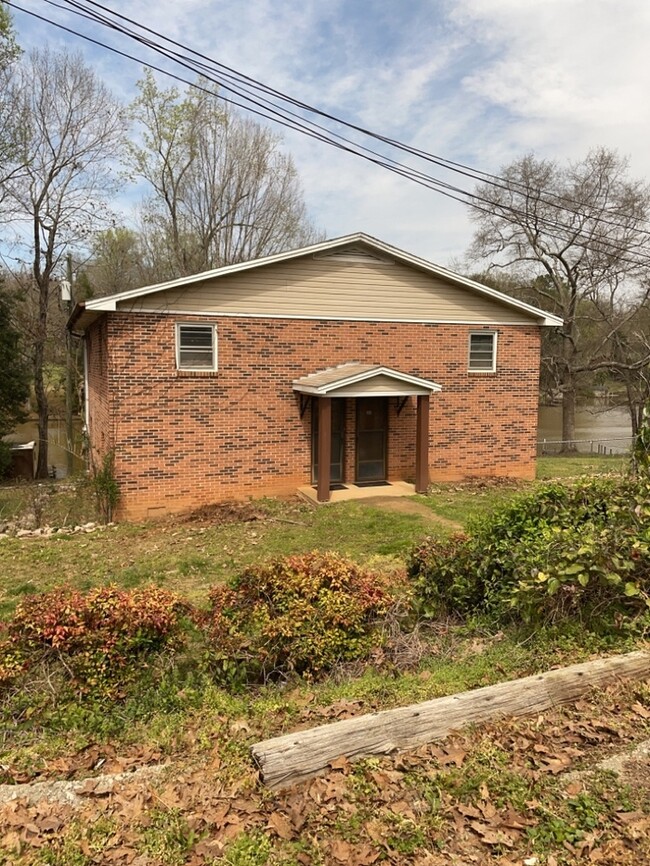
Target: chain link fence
[[611, 446]]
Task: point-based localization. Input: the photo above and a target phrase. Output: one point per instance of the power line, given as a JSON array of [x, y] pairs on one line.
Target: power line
[[232, 74], [268, 110], [305, 126], [470, 199]]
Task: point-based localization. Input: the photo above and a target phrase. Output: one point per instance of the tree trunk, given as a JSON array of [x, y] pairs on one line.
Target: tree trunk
[[69, 403], [635, 410], [568, 419], [70, 369], [568, 389], [42, 409]]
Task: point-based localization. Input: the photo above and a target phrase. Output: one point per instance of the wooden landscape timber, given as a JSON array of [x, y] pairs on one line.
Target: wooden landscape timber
[[293, 758]]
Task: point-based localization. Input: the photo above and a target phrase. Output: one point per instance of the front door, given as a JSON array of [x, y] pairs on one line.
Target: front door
[[372, 436], [338, 440]]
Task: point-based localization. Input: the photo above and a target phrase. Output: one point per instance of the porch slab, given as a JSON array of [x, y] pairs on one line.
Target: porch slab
[[352, 492]]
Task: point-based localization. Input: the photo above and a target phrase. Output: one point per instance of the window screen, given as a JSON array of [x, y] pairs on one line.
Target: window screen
[[196, 347], [481, 352]]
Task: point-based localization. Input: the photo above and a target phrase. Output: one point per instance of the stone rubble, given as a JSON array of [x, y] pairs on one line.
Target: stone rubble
[[13, 529]]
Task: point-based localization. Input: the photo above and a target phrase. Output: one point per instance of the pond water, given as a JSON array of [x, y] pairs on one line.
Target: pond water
[[598, 429], [56, 457]]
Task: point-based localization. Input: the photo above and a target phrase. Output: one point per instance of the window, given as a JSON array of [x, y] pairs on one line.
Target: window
[[196, 347], [482, 352]]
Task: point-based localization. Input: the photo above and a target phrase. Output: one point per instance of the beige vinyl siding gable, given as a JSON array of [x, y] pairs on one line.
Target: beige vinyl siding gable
[[380, 385], [331, 288]]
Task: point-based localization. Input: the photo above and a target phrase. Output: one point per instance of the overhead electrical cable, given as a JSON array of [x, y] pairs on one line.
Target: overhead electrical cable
[[233, 74], [267, 109], [304, 126], [405, 171], [468, 199]]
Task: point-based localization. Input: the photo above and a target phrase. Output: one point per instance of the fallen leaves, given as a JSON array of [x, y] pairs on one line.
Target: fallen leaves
[[92, 758], [480, 797], [355, 855]]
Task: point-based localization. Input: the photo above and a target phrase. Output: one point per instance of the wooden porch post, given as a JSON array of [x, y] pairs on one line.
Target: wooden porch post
[[324, 448], [422, 445]]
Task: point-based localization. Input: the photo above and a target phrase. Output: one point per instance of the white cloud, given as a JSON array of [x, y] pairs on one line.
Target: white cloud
[[571, 75], [477, 81]]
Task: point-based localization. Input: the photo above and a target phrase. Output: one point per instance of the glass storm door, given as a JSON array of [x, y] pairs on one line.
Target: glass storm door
[[372, 434], [338, 439]]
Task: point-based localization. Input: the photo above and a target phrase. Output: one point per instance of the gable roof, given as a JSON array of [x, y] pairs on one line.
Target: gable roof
[[358, 380], [357, 243]]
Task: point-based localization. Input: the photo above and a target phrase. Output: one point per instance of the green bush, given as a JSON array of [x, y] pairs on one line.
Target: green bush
[[96, 639], [441, 569], [580, 551], [300, 614], [5, 458]]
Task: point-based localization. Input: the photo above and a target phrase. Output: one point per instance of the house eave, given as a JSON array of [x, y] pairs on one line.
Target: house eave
[[81, 319], [543, 318]]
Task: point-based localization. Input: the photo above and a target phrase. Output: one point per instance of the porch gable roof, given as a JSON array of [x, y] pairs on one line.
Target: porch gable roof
[[363, 380]]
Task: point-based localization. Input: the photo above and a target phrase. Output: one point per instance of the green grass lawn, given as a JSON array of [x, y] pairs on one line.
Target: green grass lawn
[[463, 502], [175, 710], [579, 464], [192, 556]]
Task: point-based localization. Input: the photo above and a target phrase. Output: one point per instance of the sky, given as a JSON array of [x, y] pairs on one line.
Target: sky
[[480, 82]]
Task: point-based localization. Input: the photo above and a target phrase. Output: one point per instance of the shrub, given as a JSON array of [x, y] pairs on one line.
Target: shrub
[[98, 638], [302, 613], [442, 575], [106, 488], [578, 551], [5, 458]]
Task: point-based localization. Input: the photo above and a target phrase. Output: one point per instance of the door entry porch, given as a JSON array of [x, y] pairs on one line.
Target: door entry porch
[[368, 388], [369, 438]]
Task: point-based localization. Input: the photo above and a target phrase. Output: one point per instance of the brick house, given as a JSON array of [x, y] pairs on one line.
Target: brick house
[[348, 354]]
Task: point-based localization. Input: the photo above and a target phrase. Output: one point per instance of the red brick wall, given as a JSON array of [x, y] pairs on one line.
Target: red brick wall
[[183, 439]]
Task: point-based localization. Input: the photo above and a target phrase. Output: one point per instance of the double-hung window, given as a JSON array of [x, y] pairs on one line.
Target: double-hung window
[[196, 347], [482, 352]]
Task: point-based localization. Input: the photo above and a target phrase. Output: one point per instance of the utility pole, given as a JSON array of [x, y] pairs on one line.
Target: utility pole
[[68, 304]]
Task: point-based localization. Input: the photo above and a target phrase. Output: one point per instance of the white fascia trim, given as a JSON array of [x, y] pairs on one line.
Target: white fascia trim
[[110, 300], [314, 392], [315, 318], [109, 303], [363, 377]]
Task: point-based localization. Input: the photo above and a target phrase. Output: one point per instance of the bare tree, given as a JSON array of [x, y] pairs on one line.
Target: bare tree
[[223, 191], [115, 263], [11, 115], [581, 227], [631, 346], [69, 138]]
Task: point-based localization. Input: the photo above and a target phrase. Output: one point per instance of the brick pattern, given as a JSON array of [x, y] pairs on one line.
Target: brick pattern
[[183, 439]]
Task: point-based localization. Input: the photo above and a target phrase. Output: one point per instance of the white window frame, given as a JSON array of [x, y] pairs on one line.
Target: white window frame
[[492, 368], [196, 326]]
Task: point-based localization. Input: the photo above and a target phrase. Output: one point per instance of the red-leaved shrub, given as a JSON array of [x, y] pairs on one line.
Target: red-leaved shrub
[[95, 635]]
